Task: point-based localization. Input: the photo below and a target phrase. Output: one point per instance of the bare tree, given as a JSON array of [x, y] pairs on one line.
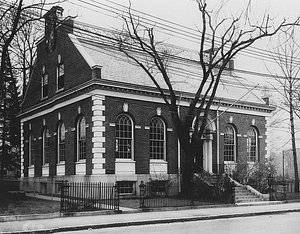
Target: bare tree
[[219, 42], [17, 23], [15, 16], [286, 56], [23, 51]]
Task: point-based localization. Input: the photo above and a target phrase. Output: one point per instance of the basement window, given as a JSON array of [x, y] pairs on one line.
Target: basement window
[[125, 187]]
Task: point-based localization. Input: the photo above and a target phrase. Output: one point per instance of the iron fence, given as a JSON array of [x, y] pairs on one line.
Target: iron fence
[[284, 190], [162, 194], [77, 197]]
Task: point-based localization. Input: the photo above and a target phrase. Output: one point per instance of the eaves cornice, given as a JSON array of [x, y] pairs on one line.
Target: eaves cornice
[[137, 90]]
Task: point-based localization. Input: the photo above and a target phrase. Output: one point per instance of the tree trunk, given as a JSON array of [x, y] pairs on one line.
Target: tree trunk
[[188, 173], [294, 150], [3, 140], [183, 133]]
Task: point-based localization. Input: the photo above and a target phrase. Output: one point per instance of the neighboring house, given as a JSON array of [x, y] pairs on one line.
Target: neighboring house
[[90, 115]]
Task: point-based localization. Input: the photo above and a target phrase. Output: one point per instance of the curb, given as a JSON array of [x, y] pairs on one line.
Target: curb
[[11, 218], [151, 222]]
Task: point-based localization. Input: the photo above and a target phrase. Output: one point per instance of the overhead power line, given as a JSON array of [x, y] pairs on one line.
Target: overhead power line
[[117, 10], [183, 60]]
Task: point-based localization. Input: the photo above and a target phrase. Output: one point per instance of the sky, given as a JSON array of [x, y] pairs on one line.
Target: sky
[[184, 15]]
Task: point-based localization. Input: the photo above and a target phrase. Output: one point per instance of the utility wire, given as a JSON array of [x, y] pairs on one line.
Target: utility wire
[[236, 70], [261, 53]]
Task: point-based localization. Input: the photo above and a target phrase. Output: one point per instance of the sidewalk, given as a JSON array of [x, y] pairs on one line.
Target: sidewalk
[[134, 218]]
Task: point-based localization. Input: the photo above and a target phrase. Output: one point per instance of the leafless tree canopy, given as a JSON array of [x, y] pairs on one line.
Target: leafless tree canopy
[[286, 55], [219, 41]]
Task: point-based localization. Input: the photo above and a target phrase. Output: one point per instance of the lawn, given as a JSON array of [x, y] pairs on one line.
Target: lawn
[[27, 205]]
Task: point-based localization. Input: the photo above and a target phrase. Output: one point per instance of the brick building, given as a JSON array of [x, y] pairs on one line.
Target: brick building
[[90, 115]]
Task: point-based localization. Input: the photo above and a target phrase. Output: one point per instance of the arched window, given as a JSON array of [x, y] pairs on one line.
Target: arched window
[[252, 147], [81, 138], [61, 141], [157, 139], [124, 137], [30, 150], [229, 144], [46, 149]]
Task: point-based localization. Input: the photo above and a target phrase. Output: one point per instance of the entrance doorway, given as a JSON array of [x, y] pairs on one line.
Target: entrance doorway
[[203, 157]]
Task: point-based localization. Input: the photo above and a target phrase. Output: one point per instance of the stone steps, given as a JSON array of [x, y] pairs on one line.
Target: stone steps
[[243, 195]]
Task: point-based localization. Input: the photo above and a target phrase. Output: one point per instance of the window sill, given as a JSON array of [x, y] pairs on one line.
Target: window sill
[[46, 165], [44, 98], [158, 161], [81, 161], [60, 163], [124, 160], [31, 166]]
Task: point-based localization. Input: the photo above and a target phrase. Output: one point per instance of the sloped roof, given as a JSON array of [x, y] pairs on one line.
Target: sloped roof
[[185, 72]]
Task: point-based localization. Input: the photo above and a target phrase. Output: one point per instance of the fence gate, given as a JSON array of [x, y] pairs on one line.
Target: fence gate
[[77, 197]]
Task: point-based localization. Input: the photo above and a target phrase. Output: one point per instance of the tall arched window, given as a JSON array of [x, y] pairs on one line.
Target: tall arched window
[[229, 144], [81, 138], [252, 147], [124, 137], [30, 150], [157, 139], [61, 141], [46, 149]]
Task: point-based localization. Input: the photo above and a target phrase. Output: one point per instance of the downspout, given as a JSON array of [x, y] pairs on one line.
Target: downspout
[[178, 157], [218, 143], [179, 150]]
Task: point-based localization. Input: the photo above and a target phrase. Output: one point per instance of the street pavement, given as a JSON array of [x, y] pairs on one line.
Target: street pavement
[[135, 217]]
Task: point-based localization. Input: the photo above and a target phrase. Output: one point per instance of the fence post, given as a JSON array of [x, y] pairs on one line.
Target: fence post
[[283, 191], [64, 192], [117, 197], [142, 194]]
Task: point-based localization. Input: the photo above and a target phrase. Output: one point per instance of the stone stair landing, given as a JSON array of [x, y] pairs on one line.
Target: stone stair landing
[[243, 195]]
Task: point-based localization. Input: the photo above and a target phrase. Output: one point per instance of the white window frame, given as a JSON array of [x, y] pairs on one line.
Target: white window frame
[[234, 143], [79, 138], [117, 139], [46, 149], [59, 142], [164, 138], [30, 150], [249, 144]]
